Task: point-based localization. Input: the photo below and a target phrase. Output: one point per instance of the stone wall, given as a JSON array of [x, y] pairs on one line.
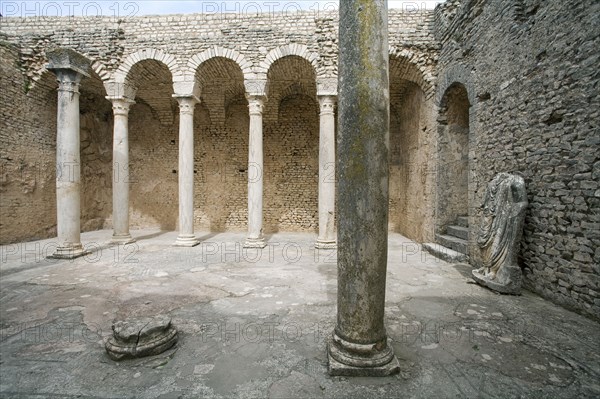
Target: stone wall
[[294, 53], [109, 41], [28, 160], [530, 69], [527, 77], [28, 157]]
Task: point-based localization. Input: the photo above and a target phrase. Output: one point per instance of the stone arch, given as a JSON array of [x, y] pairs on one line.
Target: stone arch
[[219, 79], [100, 69], [289, 74], [296, 49], [121, 75], [291, 163], [217, 51], [455, 74], [455, 113], [296, 89], [413, 70], [412, 87]]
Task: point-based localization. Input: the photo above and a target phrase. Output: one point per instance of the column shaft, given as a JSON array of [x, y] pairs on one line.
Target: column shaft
[[359, 344], [327, 238], [186, 236], [255, 237], [68, 166], [121, 171]]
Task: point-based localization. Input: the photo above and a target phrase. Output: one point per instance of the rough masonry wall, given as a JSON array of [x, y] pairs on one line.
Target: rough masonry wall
[[291, 120], [453, 157], [96, 128], [291, 162], [532, 76], [109, 40], [221, 183], [409, 164], [153, 170], [28, 158]]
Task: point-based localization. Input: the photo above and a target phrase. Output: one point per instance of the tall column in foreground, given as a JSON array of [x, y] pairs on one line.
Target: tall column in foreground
[[326, 239], [359, 346], [69, 68], [255, 237], [120, 185], [186, 237]]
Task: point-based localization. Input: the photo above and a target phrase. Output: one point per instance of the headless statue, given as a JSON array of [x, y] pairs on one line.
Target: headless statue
[[500, 234]]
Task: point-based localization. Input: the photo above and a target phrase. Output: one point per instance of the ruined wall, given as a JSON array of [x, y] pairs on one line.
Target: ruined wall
[[531, 70], [409, 164], [96, 125], [28, 158], [291, 144], [291, 119], [453, 157], [27, 145], [153, 165], [221, 184]]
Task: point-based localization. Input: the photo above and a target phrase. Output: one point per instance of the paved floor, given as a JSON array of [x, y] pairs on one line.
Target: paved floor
[[253, 325]]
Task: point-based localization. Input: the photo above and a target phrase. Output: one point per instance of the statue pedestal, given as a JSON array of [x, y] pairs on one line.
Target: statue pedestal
[[507, 281]]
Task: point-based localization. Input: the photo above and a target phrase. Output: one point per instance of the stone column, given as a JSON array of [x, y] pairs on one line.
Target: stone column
[[186, 237], [326, 239], [69, 67], [255, 237], [359, 345], [120, 187]]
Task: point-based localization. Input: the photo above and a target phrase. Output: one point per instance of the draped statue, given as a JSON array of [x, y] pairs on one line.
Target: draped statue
[[500, 234]]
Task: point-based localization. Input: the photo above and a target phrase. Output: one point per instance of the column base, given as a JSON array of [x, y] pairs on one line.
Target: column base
[[255, 243], [323, 244], [186, 241], [356, 360], [122, 239], [69, 252]]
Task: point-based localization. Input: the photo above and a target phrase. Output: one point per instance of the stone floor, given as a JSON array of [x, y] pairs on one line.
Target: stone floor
[[254, 323]]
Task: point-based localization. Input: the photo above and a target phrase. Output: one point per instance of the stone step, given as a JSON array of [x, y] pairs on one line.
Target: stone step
[[443, 253], [454, 243], [458, 232], [462, 221]]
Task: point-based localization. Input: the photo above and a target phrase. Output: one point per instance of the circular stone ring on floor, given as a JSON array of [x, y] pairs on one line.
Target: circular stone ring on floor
[[140, 337]]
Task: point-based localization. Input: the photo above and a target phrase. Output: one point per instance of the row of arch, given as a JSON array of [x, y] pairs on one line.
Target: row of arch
[[401, 67], [254, 74]]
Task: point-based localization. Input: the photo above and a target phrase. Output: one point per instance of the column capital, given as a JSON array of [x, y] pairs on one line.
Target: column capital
[[256, 104], [69, 67], [68, 80], [327, 85], [120, 105], [186, 104], [327, 103]]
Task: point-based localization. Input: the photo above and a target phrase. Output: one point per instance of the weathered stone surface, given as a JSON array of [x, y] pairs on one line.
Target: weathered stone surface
[[447, 334], [67, 65], [65, 58], [141, 337], [359, 345], [500, 234], [229, 53], [535, 114], [444, 253]]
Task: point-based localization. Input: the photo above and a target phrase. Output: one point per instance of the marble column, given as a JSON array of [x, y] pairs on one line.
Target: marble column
[[327, 238], [359, 344], [255, 237], [121, 233], [69, 68], [186, 237]]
